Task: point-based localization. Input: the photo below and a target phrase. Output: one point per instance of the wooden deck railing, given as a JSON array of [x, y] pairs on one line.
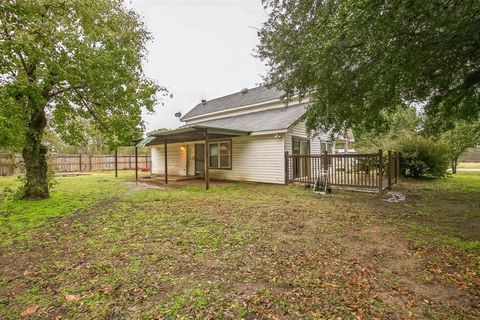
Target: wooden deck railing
[[355, 170]]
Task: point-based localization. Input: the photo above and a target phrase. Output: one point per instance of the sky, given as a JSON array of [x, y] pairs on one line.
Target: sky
[[201, 49]]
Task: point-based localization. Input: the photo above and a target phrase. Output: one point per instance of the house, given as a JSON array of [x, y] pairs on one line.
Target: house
[[242, 136]]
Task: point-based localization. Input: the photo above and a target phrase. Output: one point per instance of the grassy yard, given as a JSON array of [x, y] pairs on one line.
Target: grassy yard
[[469, 165], [102, 248]]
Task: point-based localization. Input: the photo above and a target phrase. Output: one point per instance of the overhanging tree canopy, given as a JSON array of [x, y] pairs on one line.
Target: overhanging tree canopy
[[68, 62], [360, 59]]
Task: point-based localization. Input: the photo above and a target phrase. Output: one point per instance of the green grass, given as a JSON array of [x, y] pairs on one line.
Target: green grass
[[70, 195], [242, 251], [448, 212]]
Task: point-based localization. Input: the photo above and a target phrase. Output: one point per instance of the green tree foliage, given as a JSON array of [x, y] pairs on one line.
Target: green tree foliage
[[68, 63], [422, 157], [361, 59], [404, 121], [459, 139]]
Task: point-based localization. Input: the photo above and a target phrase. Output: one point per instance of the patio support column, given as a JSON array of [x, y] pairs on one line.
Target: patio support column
[[136, 163], [206, 157], [166, 165]]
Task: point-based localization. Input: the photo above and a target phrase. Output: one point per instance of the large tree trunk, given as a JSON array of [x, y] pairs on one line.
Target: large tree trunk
[[454, 166], [34, 157]]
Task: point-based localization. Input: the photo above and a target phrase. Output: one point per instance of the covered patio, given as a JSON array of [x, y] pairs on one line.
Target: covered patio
[[185, 134]]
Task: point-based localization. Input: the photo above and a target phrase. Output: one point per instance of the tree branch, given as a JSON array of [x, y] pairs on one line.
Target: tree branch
[[22, 59], [60, 91], [85, 103]]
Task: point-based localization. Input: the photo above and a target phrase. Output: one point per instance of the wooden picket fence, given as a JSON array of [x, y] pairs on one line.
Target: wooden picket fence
[[10, 165], [369, 171], [471, 155]]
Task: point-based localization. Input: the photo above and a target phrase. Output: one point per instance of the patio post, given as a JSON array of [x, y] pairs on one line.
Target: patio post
[[166, 165], [136, 163], [206, 157]]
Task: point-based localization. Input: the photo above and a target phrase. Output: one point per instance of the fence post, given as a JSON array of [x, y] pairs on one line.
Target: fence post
[[286, 168], [389, 173], [395, 157], [116, 163], [14, 165], [394, 167], [380, 172], [398, 167]]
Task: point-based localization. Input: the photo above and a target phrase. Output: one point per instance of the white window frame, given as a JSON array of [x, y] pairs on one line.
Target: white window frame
[[218, 143]]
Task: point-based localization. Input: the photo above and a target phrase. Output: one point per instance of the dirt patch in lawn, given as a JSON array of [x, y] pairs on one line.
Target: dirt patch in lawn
[[405, 268], [137, 186], [74, 174]]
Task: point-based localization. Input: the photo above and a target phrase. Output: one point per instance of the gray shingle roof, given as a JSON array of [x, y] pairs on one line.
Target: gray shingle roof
[[267, 120], [235, 100]]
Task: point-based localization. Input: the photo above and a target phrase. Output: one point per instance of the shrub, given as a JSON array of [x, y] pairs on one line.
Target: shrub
[[422, 157]]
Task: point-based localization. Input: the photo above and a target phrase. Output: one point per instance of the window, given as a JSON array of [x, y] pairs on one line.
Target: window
[[300, 146], [323, 147], [326, 146], [220, 155]]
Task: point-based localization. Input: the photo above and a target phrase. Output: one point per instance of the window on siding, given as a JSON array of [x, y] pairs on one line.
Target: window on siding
[[300, 146], [323, 147], [220, 155], [326, 146]]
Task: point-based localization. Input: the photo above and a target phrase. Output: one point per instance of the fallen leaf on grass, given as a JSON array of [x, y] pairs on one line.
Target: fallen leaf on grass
[[72, 297], [107, 290], [29, 311]]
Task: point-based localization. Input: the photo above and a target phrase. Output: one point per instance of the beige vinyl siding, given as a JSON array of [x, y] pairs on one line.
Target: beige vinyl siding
[[299, 130], [177, 160], [255, 158]]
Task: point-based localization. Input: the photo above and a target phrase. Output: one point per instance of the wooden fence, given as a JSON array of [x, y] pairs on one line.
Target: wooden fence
[[78, 162], [471, 155], [374, 171]]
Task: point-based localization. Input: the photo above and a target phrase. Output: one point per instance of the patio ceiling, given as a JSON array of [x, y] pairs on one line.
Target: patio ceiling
[[193, 133]]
